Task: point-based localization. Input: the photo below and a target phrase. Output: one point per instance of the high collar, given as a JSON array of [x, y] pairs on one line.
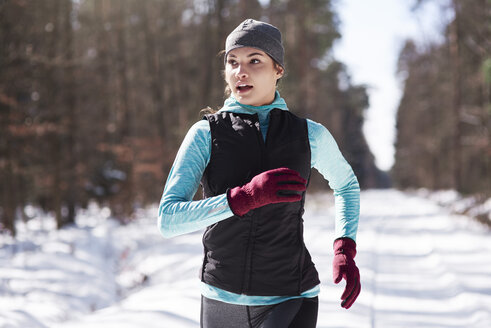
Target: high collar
[[232, 105]]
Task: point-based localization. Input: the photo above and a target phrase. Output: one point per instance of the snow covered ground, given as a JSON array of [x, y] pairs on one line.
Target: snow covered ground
[[420, 267]]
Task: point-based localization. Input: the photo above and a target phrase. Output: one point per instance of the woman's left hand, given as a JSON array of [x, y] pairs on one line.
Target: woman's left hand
[[344, 267]]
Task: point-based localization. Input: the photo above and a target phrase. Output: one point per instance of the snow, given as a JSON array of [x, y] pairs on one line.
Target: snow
[[420, 265]]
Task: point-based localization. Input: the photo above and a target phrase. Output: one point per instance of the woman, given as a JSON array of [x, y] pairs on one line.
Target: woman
[[253, 158]]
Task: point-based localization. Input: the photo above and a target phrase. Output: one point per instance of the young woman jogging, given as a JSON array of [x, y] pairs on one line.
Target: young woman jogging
[[253, 159]]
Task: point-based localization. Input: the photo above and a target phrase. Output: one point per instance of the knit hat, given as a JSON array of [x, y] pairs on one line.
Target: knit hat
[[259, 35]]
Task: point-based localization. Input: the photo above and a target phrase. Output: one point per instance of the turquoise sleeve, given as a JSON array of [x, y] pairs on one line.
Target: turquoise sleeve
[[178, 213], [328, 160]]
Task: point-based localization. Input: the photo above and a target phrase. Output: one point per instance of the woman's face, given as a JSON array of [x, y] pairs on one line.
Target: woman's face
[[251, 75]]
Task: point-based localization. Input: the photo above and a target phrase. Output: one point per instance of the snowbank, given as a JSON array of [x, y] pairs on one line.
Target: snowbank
[[421, 266]]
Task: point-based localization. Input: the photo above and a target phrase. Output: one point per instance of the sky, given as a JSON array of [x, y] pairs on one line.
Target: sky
[[373, 32]]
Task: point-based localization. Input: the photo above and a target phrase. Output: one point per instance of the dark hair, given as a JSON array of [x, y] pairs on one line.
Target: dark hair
[[207, 110]]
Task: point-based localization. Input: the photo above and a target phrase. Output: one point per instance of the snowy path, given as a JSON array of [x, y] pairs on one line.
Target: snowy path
[[420, 267]]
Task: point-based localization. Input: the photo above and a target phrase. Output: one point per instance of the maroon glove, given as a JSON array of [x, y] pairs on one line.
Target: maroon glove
[[344, 267], [273, 186]]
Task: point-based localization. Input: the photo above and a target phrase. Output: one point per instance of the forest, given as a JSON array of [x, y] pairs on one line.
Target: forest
[[444, 116], [97, 95]]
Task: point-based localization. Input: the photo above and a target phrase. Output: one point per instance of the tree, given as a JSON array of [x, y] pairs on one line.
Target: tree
[[443, 119]]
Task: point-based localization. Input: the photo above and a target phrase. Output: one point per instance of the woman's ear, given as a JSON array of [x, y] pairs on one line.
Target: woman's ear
[[279, 71]]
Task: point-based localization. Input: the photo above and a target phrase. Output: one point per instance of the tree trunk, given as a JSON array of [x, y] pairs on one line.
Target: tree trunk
[[457, 97], [8, 189], [69, 104]]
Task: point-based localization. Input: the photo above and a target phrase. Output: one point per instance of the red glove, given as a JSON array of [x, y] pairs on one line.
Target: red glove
[[273, 186], [344, 267]]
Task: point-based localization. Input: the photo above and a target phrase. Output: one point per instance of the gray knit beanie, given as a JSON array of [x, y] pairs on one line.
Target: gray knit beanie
[[259, 35]]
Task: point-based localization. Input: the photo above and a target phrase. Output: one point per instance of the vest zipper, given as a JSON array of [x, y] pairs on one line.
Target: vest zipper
[[252, 231], [246, 282]]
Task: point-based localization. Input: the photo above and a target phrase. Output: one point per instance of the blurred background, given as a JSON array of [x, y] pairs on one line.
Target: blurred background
[[97, 95]]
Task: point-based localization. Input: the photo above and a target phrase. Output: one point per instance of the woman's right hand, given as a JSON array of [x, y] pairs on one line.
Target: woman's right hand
[[273, 186]]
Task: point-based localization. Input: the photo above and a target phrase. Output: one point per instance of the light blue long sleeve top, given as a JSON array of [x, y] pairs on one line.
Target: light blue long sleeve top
[[179, 214]]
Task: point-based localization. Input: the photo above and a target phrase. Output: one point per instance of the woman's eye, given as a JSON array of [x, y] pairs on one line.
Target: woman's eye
[[231, 62], [255, 61]]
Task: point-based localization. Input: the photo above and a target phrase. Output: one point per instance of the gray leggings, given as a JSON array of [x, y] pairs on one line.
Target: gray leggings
[[296, 313]]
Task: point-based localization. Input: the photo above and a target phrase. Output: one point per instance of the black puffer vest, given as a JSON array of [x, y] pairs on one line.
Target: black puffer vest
[[261, 253]]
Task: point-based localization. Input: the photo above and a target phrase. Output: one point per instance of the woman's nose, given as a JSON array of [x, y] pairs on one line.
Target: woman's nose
[[241, 72]]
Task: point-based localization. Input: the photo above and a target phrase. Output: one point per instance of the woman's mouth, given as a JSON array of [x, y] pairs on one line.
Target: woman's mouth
[[242, 87]]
